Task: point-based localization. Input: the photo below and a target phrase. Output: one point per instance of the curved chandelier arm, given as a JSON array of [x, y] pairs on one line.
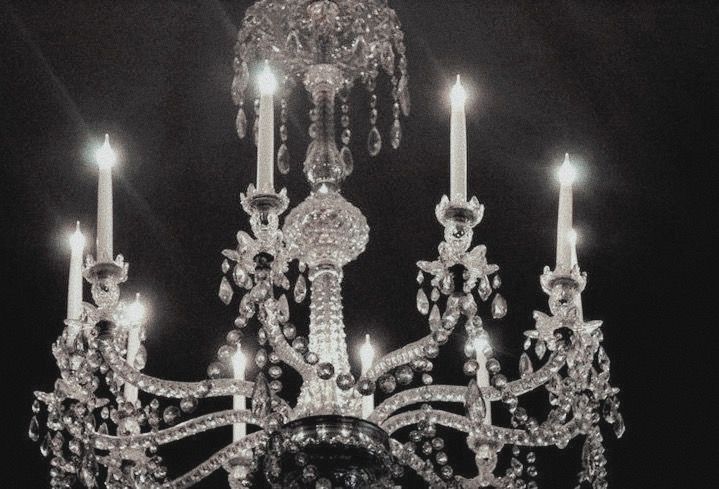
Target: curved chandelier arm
[[178, 432], [485, 431], [289, 355], [416, 463], [456, 393], [216, 461], [427, 393], [400, 356], [171, 388]]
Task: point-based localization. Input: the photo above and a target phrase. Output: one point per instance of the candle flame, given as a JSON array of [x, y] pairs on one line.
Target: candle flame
[[267, 81], [135, 312], [105, 155], [481, 343], [366, 352], [458, 95], [567, 173], [238, 363], [77, 240]]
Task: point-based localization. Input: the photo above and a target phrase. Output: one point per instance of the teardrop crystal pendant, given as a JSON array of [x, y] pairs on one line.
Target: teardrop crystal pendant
[[45, 445], [283, 309], [225, 293], [525, 365], [499, 307], [374, 142], [241, 123], [347, 160], [395, 134], [422, 302], [33, 431], [403, 95], [300, 291], [283, 159]]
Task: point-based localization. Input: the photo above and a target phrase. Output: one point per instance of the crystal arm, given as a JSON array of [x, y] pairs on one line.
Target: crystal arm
[[456, 393], [216, 461], [501, 435], [170, 388], [182, 430], [414, 462], [401, 356]]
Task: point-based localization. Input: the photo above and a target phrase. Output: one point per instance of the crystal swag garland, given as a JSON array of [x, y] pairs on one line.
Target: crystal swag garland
[[105, 421]]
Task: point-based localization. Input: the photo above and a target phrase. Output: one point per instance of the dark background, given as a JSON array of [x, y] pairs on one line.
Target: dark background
[[630, 89]]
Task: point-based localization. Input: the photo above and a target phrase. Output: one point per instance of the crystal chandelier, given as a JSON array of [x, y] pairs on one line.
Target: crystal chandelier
[[100, 432]]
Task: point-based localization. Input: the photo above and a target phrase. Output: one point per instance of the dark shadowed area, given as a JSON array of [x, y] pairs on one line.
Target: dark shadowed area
[[630, 89]]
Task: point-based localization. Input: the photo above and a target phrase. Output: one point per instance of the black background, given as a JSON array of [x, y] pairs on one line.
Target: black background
[[630, 89]]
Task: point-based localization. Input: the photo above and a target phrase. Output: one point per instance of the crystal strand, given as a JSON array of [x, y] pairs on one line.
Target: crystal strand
[[374, 139], [283, 155], [346, 135], [395, 132]]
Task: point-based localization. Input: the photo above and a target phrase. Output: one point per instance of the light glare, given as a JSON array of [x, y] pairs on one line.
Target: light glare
[[77, 240], [567, 173], [105, 155], [366, 353], [238, 363], [267, 81], [481, 344], [135, 312], [458, 94]]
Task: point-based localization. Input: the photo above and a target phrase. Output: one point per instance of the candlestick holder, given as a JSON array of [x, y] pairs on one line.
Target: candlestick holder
[[105, 279]]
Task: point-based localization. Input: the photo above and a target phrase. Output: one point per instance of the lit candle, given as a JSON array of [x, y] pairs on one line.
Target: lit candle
[[481, 348], [239, 430], [74, 288], [566, 175], [366, 352], [105, 157], [266, 132], [458, 145], [134, 317]]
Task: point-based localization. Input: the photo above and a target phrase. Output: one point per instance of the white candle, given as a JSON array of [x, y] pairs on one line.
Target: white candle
[[481, 348], [566, 176], [135, 316], [74, 288], [239, 430], [266, 132], [458, 145], [105, 159], [366, 352]]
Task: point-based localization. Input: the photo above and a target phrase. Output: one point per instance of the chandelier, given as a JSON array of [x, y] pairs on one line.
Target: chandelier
[[342, 429]]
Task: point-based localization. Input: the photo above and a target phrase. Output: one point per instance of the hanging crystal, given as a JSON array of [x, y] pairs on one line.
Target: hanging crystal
[[283, 154], [374, 139], [395, 134], [422, 302], [241, 123], [525, 365], [499, 306], [240, 81], [225, 293], [300, 290], [33, 432]]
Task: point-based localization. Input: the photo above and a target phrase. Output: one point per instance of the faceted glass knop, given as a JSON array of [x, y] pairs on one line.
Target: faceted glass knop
[[374, 142], [395, 134], [283, 159]]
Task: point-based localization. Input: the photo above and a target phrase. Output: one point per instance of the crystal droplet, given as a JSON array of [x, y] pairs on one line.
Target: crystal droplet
[[36, 406], [225, 266], [45, 445], [403, 95], [496, 282], [374, 142], [435, 294], [499, 307], [33, 431], [237, 91], [435, 318], [140, 358], [241, 123], [346, 157], [225, 293], [283, 159], [261, 398], [422, 302], [283, 309], [102, 430], [474, 402], [395, 134], [484, 288], [540, 349], [239, 275], [420, 277], [525, 365], [300, 291], [527, 343], [293, 42], [619, 426]]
